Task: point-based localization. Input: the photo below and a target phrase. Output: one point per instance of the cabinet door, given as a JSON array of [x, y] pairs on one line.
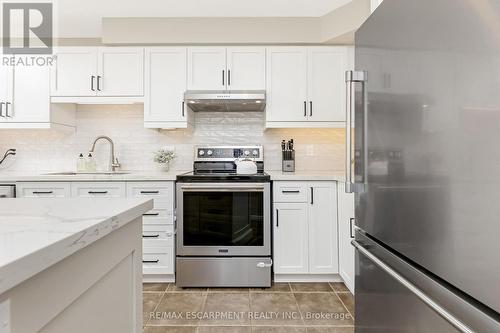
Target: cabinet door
[[74, 72], [31, 102], [290, 238], [346, 250], [326, 83], [165, 84], [322, 217], [121, 71], [246, 68], [207, 68], [286, 80], [6, 90]]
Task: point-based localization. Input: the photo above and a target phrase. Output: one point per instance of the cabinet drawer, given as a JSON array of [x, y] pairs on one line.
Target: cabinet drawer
[[158, 216], [43, 190], [290, 192], [161, 192], [157, 235], [158, 260], [98, 190]]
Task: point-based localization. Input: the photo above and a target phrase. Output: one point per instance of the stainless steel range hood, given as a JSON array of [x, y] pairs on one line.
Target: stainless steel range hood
[[237, 100]]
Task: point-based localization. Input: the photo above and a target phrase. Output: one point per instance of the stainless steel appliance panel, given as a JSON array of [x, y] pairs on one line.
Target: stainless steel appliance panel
[[392, 295], [225, 219], [427, 147], [223, 272]]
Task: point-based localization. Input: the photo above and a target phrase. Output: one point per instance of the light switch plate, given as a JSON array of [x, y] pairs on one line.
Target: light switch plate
[[5, 316]]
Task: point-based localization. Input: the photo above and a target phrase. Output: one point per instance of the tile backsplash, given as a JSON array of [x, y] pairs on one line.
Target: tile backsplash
[[50, 150]]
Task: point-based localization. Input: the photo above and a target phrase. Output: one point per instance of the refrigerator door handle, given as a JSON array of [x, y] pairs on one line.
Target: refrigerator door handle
[[415, 290], [351, 79]]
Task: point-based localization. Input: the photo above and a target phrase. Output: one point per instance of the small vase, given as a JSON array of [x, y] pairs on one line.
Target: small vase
[[165, 167]]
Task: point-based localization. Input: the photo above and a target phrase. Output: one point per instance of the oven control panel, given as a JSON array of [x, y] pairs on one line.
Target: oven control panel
[[228, 153]]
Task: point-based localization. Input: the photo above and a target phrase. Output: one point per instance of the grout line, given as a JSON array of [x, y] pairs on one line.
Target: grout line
[[349, 312], [298, 308], [154, 310]]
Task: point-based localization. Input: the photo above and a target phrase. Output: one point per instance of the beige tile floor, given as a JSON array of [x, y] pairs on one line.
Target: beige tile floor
[[284, 308]]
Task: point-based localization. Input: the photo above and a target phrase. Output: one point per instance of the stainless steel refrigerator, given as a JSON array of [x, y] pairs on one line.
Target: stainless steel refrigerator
[[424, 162]]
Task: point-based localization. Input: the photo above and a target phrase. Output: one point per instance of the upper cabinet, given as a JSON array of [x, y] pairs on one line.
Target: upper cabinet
[[92, 71], [25, 99], [306, 86], [165, 84], [220, 68]]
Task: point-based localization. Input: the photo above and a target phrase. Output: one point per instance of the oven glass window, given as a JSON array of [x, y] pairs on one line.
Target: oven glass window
[[223, 219]]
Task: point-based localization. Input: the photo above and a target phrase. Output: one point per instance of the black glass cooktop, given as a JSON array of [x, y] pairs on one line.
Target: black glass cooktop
[[221, 177]]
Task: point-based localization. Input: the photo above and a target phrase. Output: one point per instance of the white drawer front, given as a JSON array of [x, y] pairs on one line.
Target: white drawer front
[[151, 234], [290, 192], [162, 191], [43, 190], [158, 216], [98, 190], [158, 260]]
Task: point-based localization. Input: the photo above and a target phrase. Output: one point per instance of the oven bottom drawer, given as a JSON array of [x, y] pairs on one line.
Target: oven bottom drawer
[[223, 272]]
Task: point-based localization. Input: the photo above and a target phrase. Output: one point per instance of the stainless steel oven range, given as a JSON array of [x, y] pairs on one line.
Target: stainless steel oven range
[[224, 221]]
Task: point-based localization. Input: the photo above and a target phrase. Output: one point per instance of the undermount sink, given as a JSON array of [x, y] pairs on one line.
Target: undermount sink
[[72, 173]]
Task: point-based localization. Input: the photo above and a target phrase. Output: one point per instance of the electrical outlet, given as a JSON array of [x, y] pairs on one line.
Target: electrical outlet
[[5, 316], [310, 150]]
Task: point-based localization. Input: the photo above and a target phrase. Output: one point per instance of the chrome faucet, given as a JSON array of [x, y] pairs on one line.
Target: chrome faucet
[[113, 161]]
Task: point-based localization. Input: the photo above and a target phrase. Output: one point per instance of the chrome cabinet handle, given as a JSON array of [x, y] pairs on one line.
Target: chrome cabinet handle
[[351, 78], [312, 195], [310, 108], [7, 110], [351, 224], [305, 109], [1, 110], [183, 108], [228, 77], [223, 77], [414, 289], [98, 83], [92, 78]]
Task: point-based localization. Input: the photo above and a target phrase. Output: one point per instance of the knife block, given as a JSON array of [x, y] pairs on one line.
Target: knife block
[[288, 165]]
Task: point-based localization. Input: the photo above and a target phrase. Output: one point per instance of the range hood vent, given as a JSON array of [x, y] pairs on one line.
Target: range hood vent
[[225, 101]]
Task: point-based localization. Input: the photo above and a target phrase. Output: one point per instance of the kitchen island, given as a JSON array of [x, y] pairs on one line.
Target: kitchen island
[[71, 265]]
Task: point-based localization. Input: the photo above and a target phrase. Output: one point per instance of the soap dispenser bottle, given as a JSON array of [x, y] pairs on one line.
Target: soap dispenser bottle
[[81, 164], [91, 164]]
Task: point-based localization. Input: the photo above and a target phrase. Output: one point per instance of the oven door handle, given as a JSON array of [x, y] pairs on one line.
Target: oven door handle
[[222, 188]]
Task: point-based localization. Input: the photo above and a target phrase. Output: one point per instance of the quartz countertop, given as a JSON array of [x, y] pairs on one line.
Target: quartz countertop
[[307, 175], [37, 233], [8, 176]]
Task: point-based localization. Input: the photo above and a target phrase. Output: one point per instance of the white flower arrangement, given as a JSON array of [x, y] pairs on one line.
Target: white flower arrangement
[[164, 156]]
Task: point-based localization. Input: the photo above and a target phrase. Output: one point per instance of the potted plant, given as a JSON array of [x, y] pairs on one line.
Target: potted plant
[[164, 157]]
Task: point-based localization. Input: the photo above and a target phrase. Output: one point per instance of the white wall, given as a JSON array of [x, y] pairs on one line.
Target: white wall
[[48, 150]]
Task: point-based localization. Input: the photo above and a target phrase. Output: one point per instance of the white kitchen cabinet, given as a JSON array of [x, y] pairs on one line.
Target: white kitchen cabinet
[[74, 72], [322, 218], [346, 235], [286, 79], [206, 68], [165, 84], [246, 68], [94, 71], [43, 190], [25, 100], [306, 86], [120, 71], [98, 190], [290, 238], [305, 228], [221, 68]]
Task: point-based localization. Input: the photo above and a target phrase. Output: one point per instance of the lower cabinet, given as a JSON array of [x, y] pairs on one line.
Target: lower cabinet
[[305, 228], [346, 235], [158, 224]]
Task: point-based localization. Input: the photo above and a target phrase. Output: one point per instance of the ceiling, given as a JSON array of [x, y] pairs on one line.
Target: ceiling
[[77, 18]]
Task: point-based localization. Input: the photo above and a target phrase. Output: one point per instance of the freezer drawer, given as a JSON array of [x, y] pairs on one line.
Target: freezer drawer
[[394, 296]]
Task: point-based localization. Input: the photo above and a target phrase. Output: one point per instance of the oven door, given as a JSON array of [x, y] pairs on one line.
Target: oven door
[[223, 219]]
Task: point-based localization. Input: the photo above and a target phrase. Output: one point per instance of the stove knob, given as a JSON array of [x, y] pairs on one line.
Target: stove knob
[[255, 153], [201, 152], [209, 153], [246, 152]]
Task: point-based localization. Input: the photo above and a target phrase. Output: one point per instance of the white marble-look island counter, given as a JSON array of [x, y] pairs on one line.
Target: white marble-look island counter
[[71, 265]]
